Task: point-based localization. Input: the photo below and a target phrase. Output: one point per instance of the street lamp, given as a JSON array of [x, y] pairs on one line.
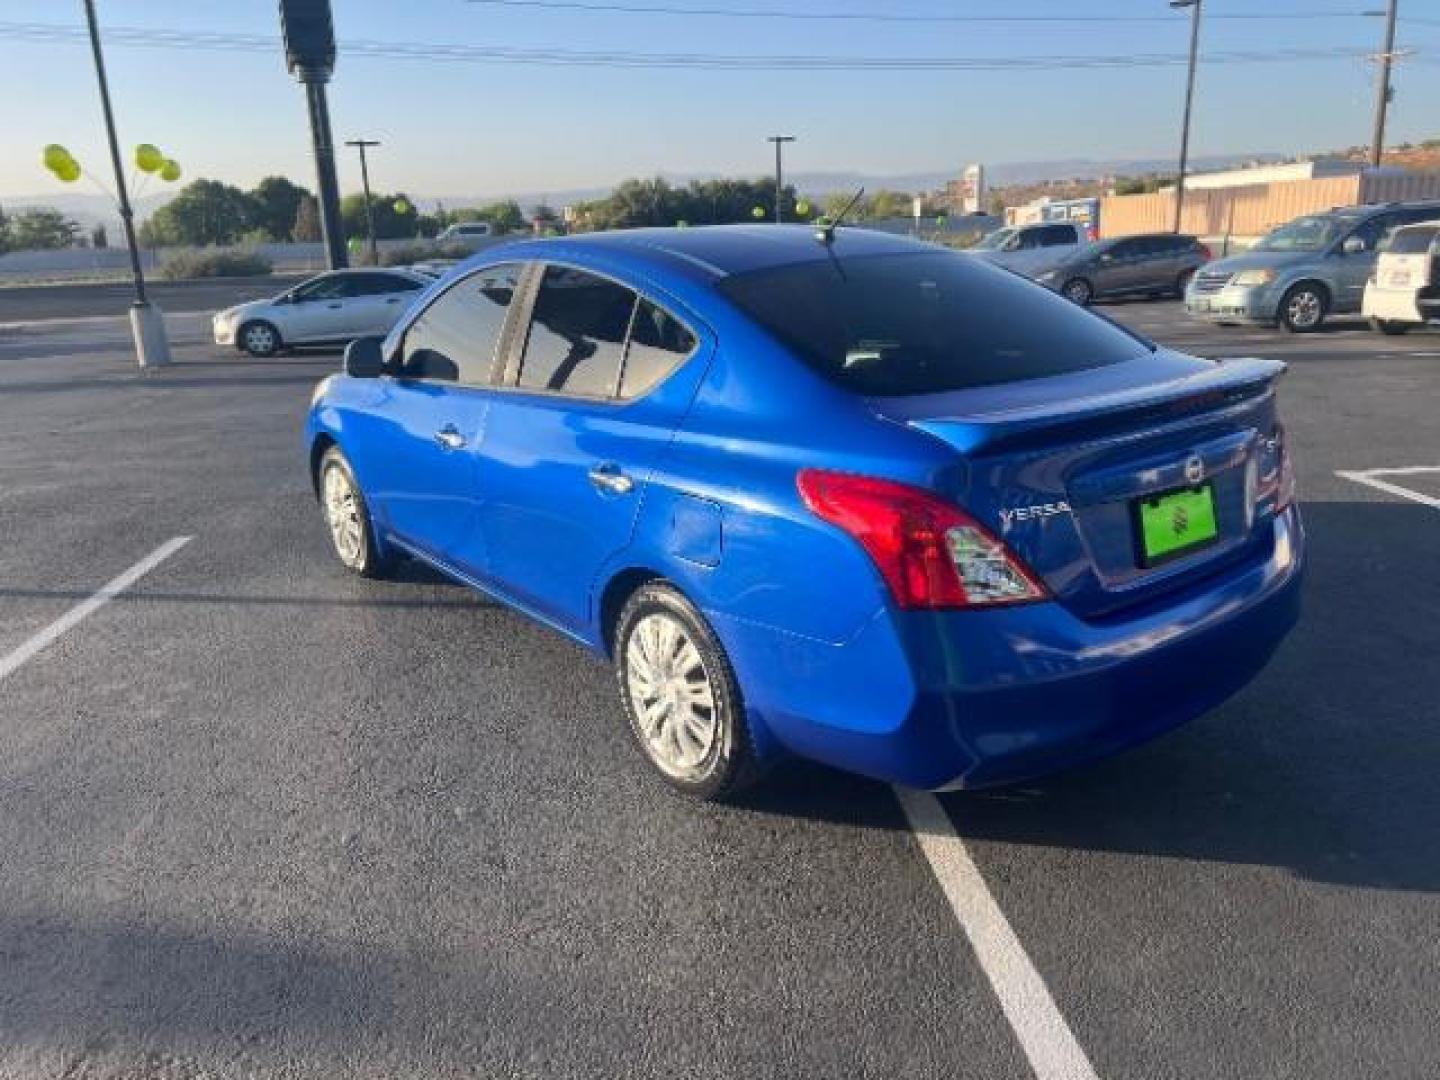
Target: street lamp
[[362, 145], [1194, 6], [779, 141], [147, 324]]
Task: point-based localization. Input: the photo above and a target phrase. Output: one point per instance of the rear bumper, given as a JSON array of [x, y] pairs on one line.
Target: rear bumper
[[977, 699], [1392, 305]]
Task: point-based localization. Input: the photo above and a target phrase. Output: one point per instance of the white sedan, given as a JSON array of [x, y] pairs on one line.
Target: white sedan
[[331, 309]]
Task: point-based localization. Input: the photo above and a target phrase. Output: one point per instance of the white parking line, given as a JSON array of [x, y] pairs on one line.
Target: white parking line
[[1044, 1036], [99, 599], [1371, 478]]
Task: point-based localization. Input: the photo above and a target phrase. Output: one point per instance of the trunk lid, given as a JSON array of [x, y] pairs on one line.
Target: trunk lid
[[1056, 468]]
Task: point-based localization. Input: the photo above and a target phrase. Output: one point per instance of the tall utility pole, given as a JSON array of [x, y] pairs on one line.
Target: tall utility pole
[[147, 325], [310, 56], [779, 141], [362, 145], [1194, 6], [1382, 97]]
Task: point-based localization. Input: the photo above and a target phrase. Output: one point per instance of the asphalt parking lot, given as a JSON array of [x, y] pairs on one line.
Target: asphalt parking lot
[[261, 818]]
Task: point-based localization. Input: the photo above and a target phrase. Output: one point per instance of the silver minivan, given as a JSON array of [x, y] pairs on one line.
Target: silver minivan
[[1304, 272], [1030, 249]]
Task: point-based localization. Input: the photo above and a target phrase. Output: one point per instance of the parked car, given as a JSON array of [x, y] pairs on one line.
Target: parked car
[[434, 268], [1404, 290], [1304, 272], [857, 499], [332, 309], [474, 235], [1029, 249], [1159, 264]]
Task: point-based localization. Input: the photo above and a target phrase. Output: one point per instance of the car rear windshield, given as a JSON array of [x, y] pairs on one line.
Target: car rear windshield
[[923, 323], [1412, 241]]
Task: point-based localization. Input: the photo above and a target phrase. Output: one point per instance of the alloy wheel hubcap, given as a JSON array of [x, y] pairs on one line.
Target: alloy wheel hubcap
[[671, 696], [342, 514], [1078, 293], [260, 339], [1304, 309]]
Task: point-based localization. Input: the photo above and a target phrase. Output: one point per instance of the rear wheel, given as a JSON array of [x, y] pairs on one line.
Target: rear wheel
[[1183, 282], [1303, 308], [1077, 291], [259, 338], [680, 695], [1391, 329]]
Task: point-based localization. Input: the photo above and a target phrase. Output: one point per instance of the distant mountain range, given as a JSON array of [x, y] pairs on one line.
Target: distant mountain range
[[90, 209]]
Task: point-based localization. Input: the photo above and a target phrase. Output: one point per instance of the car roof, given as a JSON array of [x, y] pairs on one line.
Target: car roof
[[714, 251]]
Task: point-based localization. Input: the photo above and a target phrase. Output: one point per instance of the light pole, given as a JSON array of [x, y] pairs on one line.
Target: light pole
[[779, 141], [147, 324], [362, 145], [1382, 97], [1194, 6], [309, 34]]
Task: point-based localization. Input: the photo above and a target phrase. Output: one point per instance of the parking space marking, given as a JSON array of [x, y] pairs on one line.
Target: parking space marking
[[1046, 1039], [90, 605], [1371, 478]]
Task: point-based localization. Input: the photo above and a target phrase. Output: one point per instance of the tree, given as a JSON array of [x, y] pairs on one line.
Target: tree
[[276, 206], [306, 227], [204, 212], [390, 223], [4, 232], [99, 239], [41, 229]]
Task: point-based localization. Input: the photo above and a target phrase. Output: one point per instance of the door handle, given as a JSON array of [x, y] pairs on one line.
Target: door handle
[[393, 300], [450, 438], [608, 477], [334, 307]]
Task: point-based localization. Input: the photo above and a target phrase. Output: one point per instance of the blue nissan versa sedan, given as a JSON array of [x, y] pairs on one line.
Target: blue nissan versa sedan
[[837, 494]]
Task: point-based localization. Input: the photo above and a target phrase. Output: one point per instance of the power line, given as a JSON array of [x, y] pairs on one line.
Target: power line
[[391, 50], [884, 16]]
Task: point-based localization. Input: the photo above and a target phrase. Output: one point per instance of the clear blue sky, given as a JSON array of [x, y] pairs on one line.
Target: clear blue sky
[[472, 128]]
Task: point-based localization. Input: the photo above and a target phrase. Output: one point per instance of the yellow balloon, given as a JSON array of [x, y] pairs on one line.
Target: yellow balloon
[[802, 208], [56, 157], [69, 172], [148, 158], [169, 171], [402, 206], [757, 212]]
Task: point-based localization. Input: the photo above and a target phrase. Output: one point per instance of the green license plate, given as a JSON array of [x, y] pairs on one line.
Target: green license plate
[[1172, 525]]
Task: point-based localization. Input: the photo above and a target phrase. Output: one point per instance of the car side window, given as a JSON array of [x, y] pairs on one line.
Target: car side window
[[658, 345], [1057, 235], [577, 334], [1125, 249], [329, 287], [1377, 230], [392, 283], [455, 338]]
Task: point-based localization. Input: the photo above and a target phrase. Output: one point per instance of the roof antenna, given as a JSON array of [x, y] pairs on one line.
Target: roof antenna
[[825, 227]]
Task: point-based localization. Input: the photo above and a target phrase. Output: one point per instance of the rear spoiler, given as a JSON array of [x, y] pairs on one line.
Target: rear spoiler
[[1227, 384]]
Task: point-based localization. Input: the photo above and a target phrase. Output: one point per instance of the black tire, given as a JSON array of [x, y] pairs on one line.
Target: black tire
[[1303, 308], [727, 764], [259, 338], [1078, 291], [363, 555], [1388, 328], [1183, 282]]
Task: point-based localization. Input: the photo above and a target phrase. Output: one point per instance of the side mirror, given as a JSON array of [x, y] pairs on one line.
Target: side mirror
[[1354, 245], [363, 358]]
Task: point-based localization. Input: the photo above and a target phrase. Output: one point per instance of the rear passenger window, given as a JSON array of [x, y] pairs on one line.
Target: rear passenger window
[[454, 339], [577, 334], [1057, 235], [658, 343]]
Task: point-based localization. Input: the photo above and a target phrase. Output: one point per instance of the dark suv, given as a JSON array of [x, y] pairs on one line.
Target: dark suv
[[1155, 264]]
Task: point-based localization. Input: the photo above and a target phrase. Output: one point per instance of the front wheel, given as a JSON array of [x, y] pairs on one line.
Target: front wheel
[[352, 533], [1390, 329], [1077, 291], [680, 695], [1303, 309], [259, 338]]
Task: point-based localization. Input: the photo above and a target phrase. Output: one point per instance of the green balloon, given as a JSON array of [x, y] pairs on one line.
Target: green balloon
[[170, 171], [354, 244], [148, 158], [402, 206], [682, 224], [69, 172], [802, 208], [758, 212], [56, 157]]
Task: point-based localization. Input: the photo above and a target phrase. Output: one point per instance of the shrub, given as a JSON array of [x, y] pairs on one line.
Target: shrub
[[420, 252], [221, 263]]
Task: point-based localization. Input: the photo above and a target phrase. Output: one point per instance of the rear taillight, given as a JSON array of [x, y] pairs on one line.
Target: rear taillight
[[930, 552], [1275, 474], [1205, 252]]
